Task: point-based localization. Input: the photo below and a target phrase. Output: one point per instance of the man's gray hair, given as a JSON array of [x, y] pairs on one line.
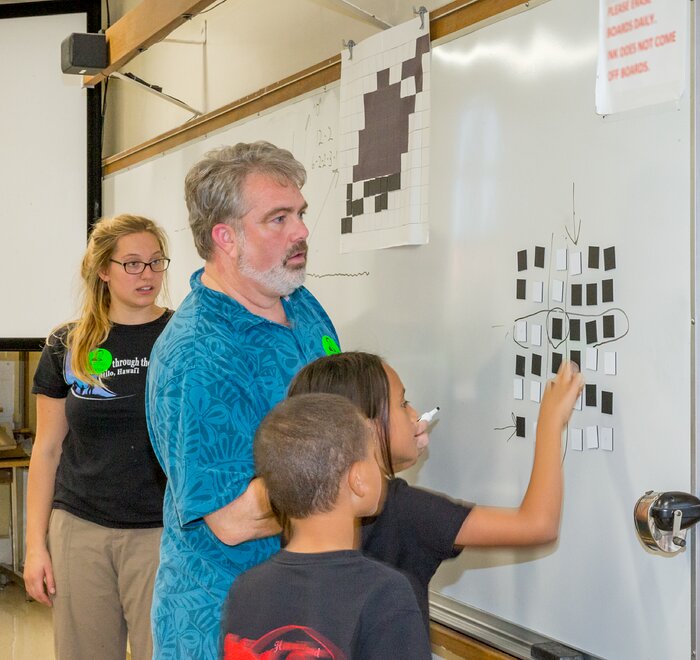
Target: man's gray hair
[[214, 185]]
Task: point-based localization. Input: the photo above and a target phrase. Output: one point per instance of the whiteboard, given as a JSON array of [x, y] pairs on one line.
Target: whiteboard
[[518, 157], [43, 142]]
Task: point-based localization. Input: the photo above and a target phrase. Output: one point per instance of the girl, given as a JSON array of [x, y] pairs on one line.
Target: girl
[[417, 529], [95, 490]]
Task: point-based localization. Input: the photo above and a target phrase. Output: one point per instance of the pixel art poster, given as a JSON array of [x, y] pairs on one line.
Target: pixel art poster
[[384, 139]]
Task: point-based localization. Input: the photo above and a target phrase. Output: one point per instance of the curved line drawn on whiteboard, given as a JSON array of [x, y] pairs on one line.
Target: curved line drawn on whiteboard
[[567, 316]]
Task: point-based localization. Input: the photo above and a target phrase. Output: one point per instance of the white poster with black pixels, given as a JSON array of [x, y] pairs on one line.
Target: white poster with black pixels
[[383, 152]]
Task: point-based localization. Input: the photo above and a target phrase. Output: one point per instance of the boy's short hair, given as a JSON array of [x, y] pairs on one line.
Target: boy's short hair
[[302, 449]]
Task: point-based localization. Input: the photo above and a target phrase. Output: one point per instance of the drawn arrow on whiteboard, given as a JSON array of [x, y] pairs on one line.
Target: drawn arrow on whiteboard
[[513, 426], [577, 230]]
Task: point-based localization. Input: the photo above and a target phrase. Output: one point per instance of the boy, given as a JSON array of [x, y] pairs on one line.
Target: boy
[[319, 597]]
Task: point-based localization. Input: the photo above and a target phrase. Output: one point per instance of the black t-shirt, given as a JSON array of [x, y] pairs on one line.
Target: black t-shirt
[[415, 532], [337, 605], [108, 473]]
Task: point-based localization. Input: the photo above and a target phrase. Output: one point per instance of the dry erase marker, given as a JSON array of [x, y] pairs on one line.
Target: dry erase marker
[[428, 417]]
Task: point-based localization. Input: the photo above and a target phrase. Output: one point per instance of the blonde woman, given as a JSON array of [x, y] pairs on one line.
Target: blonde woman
[[95, 492]]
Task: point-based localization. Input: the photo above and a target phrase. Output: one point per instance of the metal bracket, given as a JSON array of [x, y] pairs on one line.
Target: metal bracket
[[349, 45], [421, 11]]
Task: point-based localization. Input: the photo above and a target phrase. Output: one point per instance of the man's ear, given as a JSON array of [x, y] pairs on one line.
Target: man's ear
[[224, 238]]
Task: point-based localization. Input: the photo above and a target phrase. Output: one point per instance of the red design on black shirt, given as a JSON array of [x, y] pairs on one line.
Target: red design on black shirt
[[286, 643]]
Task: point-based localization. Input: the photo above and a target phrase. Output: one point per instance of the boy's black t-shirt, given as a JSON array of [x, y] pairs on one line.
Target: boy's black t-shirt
[[108, 473], [337, 605]]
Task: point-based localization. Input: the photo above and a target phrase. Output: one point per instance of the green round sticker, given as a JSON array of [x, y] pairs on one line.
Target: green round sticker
[[330, 346], [99, 361]]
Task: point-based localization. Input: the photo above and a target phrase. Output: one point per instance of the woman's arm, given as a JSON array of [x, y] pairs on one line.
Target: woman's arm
[[51, 429], [536, 520]]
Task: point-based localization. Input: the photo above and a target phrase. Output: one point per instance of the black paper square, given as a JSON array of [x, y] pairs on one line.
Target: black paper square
[[609, 326], [574, 329], [591, 294], [606, 402], [591, 332], [557, 328], [576, 295], [536, 364], [539, 257], [609, 258], [591, 395], [522, 260], [607, 291], [593, 257]]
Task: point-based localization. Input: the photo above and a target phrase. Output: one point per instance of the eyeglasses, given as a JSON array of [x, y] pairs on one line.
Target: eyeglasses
[[137, 267]]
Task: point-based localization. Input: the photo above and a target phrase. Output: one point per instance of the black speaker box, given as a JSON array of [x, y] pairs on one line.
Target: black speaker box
[[84, 53]]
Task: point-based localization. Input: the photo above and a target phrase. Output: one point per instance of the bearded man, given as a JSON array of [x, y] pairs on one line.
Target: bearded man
[[224, 360]]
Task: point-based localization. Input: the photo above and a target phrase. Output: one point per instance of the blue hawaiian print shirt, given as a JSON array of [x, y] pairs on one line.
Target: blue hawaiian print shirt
[[215, 372]]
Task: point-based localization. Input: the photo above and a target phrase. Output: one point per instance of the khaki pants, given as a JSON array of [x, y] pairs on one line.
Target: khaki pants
[[104, 584]]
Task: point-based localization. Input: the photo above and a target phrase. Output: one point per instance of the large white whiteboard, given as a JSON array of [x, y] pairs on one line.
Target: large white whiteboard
[[43, 147], [514, 128]]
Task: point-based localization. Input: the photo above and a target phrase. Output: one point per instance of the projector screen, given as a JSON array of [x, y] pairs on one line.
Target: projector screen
[[43, 172]]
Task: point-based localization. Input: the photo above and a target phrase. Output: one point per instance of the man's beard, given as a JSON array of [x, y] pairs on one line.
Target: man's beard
[[281, 279]]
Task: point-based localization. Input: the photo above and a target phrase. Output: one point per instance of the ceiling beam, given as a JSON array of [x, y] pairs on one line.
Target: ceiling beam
[[146, 24]]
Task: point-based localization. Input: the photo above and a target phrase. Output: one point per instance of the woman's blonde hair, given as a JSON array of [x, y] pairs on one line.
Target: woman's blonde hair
[[93, 326]]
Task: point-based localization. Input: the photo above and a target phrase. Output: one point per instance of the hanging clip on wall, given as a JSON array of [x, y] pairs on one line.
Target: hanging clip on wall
[[421, 11], [349, 45]]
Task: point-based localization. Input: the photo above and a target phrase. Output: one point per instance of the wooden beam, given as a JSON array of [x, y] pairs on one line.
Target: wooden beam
[[463, 646], [146, 24]]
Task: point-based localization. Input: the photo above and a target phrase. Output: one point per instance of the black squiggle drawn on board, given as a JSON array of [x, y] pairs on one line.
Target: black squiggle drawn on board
[[364, 273]]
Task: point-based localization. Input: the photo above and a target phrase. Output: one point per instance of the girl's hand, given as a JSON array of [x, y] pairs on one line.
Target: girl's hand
[[38, 576], [560, 395]]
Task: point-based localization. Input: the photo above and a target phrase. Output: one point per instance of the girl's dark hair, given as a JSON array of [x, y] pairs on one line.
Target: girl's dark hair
[[361, 378]]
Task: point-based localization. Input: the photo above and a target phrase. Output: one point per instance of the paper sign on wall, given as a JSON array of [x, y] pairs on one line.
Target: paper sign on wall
[[642, 53]]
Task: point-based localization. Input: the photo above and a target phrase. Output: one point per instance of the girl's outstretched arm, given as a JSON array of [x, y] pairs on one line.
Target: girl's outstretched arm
[[536, 520]]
